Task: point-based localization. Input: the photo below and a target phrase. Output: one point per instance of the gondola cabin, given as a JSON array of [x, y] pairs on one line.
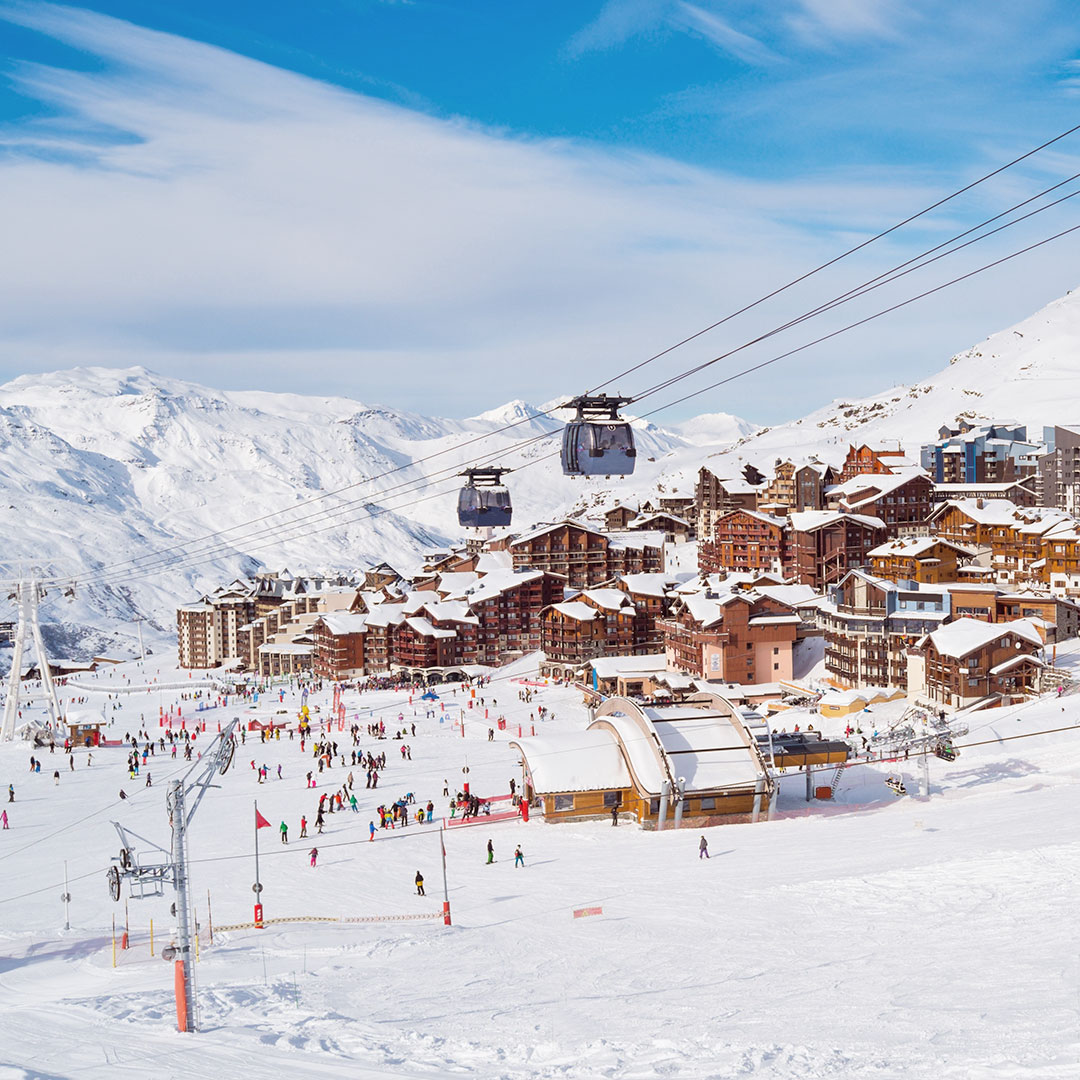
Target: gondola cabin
[[598, 441], [484, 502]]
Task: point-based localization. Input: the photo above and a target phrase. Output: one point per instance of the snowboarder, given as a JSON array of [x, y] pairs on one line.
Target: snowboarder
[[703, 849], [519, 858], [314, 855], [284, 833], [419, 884], [491, 853]]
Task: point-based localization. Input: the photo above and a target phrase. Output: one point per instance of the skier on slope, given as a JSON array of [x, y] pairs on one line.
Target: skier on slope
[[491, 853]]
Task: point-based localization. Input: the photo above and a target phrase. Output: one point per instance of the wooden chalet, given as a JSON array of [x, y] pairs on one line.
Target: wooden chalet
[[969, 661], [823, 545]]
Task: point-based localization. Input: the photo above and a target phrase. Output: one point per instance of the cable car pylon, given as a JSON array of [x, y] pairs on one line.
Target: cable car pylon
[[27, 595]]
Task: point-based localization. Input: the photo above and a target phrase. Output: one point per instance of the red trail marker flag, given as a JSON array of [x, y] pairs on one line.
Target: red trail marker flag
[[260, 821]]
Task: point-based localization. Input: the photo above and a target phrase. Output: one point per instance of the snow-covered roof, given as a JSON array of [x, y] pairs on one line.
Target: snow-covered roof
[[809, 520], [424, 628], [487, 562], [576, 761], [703, 747], [868, 487], [658, 585], [499, 581], [637, 540], [965, 636], [543, 530], [609, 599], [612, 667], [575, 609], [915, 547], [342, 622], [1015, 662]]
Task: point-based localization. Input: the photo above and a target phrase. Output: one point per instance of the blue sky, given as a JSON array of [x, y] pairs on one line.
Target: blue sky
[[443, 206]]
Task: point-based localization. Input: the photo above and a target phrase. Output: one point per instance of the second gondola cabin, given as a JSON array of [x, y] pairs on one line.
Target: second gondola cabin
[[598, 441], [484, 502]]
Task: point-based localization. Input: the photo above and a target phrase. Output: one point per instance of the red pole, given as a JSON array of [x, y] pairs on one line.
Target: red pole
[[181, 996]]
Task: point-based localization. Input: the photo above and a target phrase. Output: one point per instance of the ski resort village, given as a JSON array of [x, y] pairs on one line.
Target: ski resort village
[[512, 566]]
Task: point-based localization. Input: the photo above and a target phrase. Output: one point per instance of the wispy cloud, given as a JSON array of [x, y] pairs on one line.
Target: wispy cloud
[[215, 217], [720, 33], [823, 21]]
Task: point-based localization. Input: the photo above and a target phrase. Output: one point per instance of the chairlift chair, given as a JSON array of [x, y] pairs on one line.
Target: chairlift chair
[[598, 441]]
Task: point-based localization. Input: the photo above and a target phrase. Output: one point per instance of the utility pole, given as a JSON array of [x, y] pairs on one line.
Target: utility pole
[[142, 648]]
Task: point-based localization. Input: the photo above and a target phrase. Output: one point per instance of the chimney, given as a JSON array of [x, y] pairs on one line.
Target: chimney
[[979, 503]]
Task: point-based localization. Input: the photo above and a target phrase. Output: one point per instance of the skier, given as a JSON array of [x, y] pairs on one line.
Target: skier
[[491, 853], [284, 833], [419, 884], [371, 830], [11, 793], [519, 858], [56, 777], [122, 795], [703, 849], [614, 815], [4, 819], [148, 784], [303, 827], [314, 855]]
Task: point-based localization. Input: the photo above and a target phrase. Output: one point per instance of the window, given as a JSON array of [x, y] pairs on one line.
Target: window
[[612, 798], [654, 806], [708, 804], [776, 652], [564, 802], [776, 667]]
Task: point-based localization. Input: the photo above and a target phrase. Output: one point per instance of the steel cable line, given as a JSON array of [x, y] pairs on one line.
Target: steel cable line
[[885, 278], [863, 244], [185, 560], [851, 251], [862, 322], [164, 560]]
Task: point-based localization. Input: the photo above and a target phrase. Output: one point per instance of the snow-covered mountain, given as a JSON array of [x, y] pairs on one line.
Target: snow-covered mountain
[[107, 476], [1028, 373], [112, 476]]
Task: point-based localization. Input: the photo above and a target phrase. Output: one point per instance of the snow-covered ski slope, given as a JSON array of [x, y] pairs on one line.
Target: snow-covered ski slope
[[877, 937]]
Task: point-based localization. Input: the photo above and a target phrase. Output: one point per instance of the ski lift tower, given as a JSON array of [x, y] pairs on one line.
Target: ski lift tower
[[149, 878], [27, 595]]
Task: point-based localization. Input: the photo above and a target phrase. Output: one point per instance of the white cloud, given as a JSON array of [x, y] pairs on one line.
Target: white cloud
[[722, 34], [217, 218], [821, 21]]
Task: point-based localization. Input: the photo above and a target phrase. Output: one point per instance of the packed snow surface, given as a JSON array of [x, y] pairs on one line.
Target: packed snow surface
[[872, 937]]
